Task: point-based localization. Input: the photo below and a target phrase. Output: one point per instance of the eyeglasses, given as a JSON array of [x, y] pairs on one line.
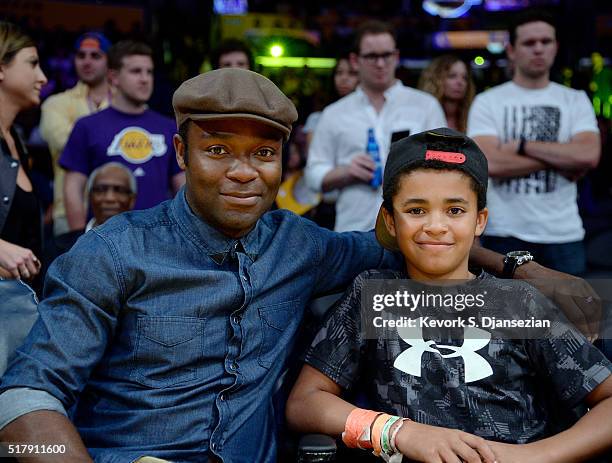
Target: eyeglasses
[[372, 58], [117, 189]]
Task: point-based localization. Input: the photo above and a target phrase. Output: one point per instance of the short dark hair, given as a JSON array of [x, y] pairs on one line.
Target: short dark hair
[[391, 191], [120, 50], [529, 16], [183, 131], [373, 27], [229, 46]]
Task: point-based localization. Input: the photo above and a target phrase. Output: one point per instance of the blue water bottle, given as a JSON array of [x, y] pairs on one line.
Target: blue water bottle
[[374, 152]]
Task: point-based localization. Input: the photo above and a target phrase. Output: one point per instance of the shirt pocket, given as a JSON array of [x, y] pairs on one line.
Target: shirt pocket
[[168, 350], [275, 335]]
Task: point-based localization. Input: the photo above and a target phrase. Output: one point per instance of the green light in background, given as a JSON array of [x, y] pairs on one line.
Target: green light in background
[[597, 105], [593, 86], [295, 62], [276, 50], [479, 61]]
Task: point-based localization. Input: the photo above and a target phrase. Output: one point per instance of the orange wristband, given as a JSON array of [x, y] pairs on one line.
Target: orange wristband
[[377, 427], [358, 421]]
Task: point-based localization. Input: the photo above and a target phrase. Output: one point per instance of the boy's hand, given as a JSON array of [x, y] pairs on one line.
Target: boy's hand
[[432, 444], [579, 302], [515, 453]]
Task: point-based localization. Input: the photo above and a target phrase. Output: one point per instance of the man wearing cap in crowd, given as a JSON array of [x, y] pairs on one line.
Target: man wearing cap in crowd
[[59, 112], [174, 348]]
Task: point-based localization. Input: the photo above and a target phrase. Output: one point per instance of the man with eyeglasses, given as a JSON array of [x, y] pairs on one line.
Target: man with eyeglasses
[[337, 158]]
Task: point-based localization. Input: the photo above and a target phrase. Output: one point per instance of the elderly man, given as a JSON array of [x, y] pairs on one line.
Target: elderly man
[[172, 348], [111, 190]]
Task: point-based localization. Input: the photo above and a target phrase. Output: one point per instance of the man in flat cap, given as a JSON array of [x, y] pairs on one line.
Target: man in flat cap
[[173, 347]]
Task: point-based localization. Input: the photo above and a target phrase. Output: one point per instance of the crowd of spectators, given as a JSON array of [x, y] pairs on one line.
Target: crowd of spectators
[[448, 78], [117, 153]]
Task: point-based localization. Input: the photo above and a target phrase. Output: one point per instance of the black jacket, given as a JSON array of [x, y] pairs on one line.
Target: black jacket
[[9, 167]]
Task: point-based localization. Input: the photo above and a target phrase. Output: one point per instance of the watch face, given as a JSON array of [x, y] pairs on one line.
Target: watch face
[[520, 257], [517, 254]]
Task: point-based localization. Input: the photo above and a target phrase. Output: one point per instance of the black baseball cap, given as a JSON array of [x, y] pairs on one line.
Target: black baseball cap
[[443, 145]]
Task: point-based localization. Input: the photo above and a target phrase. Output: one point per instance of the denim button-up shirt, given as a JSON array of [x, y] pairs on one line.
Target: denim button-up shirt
[[167, 337]]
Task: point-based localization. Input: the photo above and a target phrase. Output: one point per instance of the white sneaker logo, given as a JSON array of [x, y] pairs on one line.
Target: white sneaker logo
[[476, 367]]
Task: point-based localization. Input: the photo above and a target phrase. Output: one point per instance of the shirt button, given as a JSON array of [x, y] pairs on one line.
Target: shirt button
[[222, 397], [236, 319], [233, 366], [14, 164], [6, 199], [213, 446], [244, 278]]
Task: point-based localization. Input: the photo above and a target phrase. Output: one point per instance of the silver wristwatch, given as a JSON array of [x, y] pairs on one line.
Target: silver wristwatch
[[513, 260]]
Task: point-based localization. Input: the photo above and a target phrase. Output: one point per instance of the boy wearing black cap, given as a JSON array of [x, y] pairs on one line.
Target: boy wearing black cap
[[434, 195]]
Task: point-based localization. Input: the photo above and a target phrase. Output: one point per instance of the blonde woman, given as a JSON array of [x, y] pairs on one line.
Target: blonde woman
[[449, 79], [21, 80]]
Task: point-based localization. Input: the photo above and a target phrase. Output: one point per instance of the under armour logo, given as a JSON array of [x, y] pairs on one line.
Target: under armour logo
[[476, 367]]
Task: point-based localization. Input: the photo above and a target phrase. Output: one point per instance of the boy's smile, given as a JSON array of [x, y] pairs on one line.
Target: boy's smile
[[435, 219]]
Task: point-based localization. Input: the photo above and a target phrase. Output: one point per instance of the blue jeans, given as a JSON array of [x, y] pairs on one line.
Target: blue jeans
[[18, 313], [565, 257]]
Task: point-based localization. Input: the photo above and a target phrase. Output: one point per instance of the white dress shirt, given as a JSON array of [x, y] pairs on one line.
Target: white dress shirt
[[342, 133]]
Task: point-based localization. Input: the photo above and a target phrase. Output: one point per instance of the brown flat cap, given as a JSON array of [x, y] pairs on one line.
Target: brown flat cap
[[232, 92]]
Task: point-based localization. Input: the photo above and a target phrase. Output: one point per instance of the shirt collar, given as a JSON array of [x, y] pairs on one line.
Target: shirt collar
[[393, 89], [218, 246], [387, 93], [92, 223]]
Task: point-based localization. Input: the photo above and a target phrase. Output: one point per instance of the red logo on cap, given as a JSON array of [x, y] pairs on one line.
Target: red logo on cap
[[445, 156], [90, 42]]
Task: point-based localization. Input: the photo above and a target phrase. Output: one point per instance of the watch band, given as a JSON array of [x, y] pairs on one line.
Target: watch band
[[510, 265], [521, 147], [513, 260]]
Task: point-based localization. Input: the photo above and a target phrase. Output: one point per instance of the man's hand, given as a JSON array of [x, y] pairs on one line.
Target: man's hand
[[432, 444], [579, 302], [361, 169], [17, 262]]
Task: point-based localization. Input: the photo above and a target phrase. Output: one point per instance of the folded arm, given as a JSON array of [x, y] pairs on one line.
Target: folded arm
[[582, 152], [503, 159]]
